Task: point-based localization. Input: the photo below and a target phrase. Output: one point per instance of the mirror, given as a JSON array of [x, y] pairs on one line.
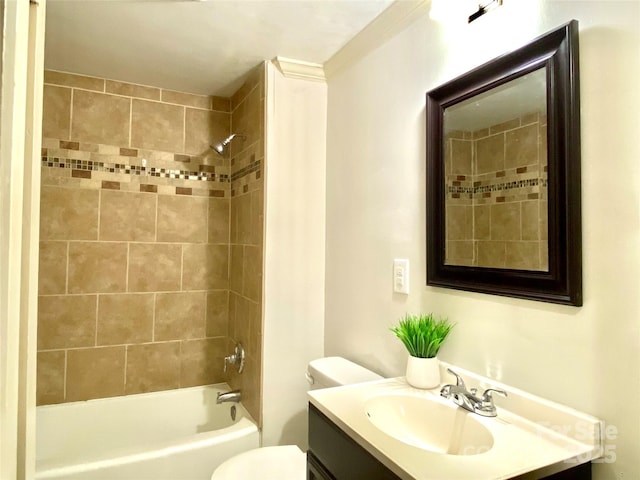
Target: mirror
[[503, 176], [495, 156]]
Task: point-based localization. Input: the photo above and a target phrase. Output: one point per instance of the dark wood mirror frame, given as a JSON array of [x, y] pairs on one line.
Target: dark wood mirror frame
[[557, 52]]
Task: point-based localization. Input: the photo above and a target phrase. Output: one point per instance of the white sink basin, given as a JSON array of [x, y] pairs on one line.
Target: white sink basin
[[429, 424], [419, 435]]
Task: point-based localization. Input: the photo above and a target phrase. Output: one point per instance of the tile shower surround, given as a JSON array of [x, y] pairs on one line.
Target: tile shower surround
[[246, 236], [134, 289], [496, 195]]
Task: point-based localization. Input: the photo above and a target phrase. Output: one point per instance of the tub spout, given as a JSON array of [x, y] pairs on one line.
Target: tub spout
[[233, 396]]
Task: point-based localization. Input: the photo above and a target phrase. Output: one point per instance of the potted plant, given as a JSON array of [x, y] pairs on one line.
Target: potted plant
[[423, 336]]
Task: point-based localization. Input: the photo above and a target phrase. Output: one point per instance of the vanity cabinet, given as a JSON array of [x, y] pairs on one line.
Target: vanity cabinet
[[334, 455], [580, 472]]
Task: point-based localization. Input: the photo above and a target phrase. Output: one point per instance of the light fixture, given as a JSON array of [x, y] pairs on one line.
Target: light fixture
[[482, 9]]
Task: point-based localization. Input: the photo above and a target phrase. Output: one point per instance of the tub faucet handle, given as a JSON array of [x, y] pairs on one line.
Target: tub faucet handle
[[236, 358]]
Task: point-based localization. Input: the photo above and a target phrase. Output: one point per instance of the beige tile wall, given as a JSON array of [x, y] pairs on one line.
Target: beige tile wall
[[134, 256], [95, 110], [246, 234], [497, 201]]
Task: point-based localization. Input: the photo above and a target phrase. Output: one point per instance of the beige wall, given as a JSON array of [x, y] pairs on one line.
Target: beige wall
[[134, 254], [584, 357]]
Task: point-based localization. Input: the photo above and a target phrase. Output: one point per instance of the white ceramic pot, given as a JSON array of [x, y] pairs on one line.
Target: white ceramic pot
[[423, 372]]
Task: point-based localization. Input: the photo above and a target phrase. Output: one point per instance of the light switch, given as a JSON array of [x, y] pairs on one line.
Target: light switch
[[401, 275]]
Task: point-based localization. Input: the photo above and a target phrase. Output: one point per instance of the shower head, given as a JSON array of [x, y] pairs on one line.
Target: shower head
[[221, 147]]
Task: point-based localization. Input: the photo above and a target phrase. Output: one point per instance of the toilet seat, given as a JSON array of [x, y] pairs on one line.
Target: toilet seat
[[286, 462]]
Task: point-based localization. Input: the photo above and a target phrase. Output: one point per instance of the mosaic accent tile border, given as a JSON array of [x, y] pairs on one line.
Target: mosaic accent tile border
[[456, 187], [253, 166], [111, 167], [108, 181], [114, 154], [118, 168], [246, 171]]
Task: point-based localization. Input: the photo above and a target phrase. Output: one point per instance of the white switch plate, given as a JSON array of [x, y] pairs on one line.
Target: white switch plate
[[401, 275]]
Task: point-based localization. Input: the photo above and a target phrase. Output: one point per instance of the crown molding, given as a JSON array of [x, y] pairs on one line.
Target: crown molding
[[299, 69], [391, 21]]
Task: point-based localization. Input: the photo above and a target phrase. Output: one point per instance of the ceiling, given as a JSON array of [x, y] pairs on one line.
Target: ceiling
[[198, 46]]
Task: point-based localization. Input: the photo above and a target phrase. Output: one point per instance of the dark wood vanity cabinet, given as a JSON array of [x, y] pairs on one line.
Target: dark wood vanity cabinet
[[333, 455], [580, 472], [315, 471]]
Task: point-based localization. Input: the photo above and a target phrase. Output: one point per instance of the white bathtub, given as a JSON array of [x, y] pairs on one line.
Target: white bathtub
[[173, 435]]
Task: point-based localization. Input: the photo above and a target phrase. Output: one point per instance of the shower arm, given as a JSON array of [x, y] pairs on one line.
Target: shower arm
[[220, 147]]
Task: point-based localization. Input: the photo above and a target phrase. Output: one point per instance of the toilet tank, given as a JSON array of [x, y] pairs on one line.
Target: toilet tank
[[337, 371]]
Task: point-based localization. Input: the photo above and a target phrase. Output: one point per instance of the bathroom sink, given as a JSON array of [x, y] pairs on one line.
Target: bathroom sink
[[429, 424], [420, 435]]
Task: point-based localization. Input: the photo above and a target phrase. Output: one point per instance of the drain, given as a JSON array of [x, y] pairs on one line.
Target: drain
[[233, 413]]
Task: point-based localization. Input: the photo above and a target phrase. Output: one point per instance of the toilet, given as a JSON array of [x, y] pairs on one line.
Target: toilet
[[288, 462]]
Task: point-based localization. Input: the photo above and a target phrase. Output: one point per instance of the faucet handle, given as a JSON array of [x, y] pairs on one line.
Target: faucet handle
[[227, 360], [487, 396], [238, 353], [236, 358], [459, 380]]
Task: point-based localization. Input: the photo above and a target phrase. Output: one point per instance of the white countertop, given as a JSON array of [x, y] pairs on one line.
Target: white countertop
[[524, 442]]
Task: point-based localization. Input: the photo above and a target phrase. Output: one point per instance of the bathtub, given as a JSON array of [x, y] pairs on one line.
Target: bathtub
[[175, 434]]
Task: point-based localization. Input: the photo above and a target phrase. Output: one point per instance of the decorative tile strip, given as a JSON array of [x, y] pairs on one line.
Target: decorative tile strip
[[107, 185], [80, 174], [252, 167], [69, 145], [133, 170], [148, 188], [531, 182], [128, 152]]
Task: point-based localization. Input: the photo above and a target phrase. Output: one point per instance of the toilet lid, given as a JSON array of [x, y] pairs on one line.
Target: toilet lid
[[269, 463]]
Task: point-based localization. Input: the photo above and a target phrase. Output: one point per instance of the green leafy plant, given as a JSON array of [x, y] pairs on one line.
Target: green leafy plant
[[423, 335]]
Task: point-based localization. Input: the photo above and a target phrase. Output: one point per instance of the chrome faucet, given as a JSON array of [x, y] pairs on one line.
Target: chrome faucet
[[468, 399], [233, 396]]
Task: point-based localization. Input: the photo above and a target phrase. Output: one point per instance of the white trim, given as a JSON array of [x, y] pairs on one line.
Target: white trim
[[299, 69], [391, 21], [294, 226], [15, 31], [31, 242], [20, 137]]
